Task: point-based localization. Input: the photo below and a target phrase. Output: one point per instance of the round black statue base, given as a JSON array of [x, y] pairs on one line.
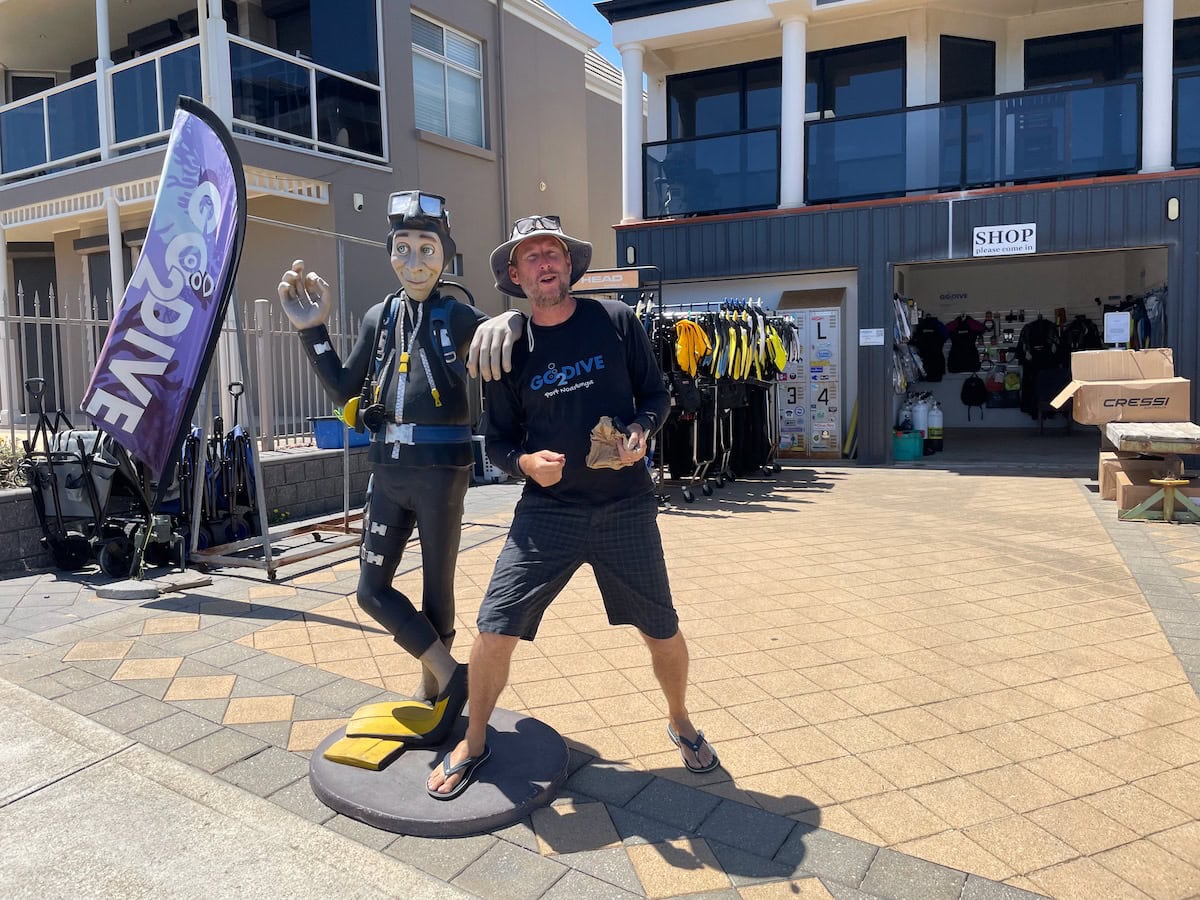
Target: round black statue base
[[527, 766]]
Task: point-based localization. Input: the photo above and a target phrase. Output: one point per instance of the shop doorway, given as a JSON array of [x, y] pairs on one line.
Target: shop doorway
[[1012, 323], [817, 395]]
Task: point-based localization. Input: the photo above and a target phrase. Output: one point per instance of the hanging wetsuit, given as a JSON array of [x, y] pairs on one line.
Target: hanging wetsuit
[[963, 356], [409, 365], [1037, 350], [928, 338]]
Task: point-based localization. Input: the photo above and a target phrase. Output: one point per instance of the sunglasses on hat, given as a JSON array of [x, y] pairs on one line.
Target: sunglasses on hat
[[528, 224]]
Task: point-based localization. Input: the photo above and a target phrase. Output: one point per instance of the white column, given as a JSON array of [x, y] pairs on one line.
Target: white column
[[116, 259], [920, 144], [631, 131], [656, 107], [103, 35], [1158, 31], [104, 107], [1011, 77], [216, 77], [791, 113]]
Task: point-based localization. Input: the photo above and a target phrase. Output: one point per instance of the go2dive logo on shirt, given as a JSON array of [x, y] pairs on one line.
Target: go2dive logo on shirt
[[565, 379]]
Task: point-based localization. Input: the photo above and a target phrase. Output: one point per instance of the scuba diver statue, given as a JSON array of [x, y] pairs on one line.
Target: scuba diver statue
[[405, 381]]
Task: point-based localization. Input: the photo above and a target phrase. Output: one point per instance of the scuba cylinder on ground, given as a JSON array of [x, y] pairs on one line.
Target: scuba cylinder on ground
[[920, 415], [934, 436]]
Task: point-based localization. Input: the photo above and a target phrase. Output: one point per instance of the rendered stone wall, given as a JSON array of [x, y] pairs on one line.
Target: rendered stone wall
[[300, 484]]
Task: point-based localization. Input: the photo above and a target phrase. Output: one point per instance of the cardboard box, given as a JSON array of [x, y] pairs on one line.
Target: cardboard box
[[1106, 455], [1146, 400], [1122, 365], [1137, 471], [1131, 494]]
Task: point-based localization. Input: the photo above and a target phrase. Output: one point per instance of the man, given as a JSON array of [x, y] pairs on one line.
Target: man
[[583, 359], [406, 382]]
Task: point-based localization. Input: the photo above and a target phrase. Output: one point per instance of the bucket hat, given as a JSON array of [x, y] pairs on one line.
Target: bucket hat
[[531, 227]]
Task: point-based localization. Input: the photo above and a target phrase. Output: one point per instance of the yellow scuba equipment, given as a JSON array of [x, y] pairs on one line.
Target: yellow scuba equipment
[[691, 345], [348, 412], [778, 353]]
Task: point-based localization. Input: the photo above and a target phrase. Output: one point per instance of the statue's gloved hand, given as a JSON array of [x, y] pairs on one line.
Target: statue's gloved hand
[[492, 345], [306, 297]]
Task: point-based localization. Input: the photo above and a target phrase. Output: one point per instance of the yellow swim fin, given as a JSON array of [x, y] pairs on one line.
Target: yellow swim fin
[[364, 753], [395, 721]]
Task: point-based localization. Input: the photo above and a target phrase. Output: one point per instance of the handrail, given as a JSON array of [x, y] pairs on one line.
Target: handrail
[[43, 95], [303, 63], [156, 54]]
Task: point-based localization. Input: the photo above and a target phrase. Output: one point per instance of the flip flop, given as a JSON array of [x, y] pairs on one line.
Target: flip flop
[[695, 746], [467, 767]]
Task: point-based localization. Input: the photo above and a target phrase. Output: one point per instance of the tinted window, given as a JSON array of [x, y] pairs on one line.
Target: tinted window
[[968, 69], [705, 103], [860, 79], [1086, 57], [763, 95], [337, 34], [343, 37]]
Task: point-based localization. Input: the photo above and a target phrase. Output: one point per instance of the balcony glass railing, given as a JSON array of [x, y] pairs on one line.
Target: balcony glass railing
[[274, 96], [720, 173], [1014, 138], [297, 102], [145, 91], [55, 129]]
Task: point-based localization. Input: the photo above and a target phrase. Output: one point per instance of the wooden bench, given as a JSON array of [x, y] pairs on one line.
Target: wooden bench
[[1168, 440]]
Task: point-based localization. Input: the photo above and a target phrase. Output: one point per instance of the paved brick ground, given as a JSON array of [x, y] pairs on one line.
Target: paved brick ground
[[920, 683]]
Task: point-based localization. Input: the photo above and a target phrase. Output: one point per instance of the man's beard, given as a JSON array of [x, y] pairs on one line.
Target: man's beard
[[548, 299]]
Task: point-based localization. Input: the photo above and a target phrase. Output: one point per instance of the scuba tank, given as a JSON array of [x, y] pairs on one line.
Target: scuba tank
[[920, 415], [933, 440], [904, 420]]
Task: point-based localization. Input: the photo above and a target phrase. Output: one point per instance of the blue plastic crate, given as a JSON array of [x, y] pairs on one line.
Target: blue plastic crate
[[330, 433]]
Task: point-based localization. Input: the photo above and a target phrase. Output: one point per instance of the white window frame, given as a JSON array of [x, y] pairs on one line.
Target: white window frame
[[446, 63]]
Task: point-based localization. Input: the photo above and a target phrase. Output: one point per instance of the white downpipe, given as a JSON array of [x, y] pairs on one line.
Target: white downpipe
[[104, 105], [791, 122], [116, 258], [631, 131], [7, 405], [1158, 39]]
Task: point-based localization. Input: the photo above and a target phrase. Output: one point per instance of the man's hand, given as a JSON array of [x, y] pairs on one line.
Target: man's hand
[[545, 466], [632, 449], [306, 297], [492, 345]]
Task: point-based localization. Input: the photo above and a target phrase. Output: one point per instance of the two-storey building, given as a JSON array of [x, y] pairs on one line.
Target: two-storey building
[[1016, 163], [501, 106]]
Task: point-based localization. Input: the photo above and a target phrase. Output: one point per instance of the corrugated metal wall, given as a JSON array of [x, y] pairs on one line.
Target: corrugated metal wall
[[1107, 215]]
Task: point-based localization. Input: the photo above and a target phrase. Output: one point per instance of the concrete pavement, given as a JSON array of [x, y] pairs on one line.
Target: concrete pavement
[[920, 683]]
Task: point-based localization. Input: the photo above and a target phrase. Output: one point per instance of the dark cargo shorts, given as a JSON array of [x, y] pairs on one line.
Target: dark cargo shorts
[[549, 540]]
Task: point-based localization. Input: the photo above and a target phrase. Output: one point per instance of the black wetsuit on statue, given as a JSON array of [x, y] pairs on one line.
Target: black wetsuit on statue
[[421, 453]]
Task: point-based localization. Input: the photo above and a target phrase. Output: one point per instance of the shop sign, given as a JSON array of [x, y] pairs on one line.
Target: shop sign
[[1116, 327], [870, 337], [1004, 240], [608, 280]]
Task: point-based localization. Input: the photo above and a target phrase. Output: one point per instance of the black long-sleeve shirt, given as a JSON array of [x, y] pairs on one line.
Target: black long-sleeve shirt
[[597, 363]]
